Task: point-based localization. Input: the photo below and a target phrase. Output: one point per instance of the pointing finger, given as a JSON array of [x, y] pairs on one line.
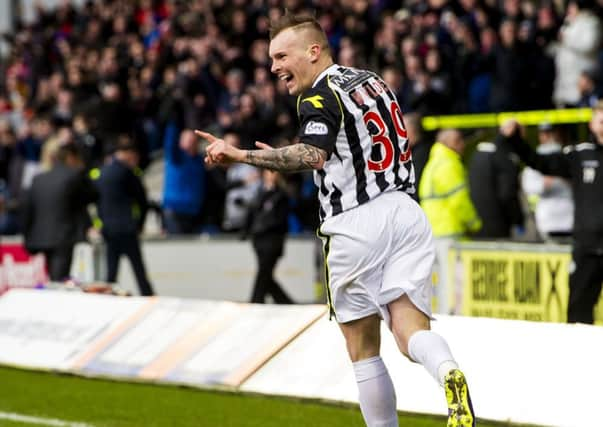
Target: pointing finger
[[206, 135]]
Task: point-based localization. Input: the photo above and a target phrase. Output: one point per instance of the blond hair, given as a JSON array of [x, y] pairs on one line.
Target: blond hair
[[301, 22]]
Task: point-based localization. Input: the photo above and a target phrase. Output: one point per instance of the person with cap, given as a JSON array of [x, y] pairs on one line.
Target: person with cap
[[122, 207], [549, 197]]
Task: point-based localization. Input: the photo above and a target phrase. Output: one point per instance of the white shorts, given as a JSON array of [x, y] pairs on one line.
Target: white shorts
[[376, 253]]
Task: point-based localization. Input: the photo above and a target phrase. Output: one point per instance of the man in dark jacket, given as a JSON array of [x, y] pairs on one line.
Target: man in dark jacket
[[55, 211], [494, 189], [582, 164], [268, 228], [122, 208]]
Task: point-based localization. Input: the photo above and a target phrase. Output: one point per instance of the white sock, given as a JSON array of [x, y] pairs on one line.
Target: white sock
[[431, 350], [376, 393]]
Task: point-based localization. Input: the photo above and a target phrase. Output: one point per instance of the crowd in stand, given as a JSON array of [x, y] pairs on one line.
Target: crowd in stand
[[156, 69]]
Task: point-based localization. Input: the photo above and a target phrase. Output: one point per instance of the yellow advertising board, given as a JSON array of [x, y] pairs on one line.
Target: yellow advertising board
[[519, 285]]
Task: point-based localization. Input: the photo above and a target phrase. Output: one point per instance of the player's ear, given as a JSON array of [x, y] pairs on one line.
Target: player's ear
[[314, 52]]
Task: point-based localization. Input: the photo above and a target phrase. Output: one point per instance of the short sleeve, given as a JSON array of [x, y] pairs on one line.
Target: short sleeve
[[320, 117]]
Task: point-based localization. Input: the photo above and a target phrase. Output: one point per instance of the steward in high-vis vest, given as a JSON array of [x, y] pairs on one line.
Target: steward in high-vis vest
[[443, 189]]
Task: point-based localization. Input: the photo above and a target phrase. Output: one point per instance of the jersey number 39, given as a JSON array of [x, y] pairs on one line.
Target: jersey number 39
[[382, 138]]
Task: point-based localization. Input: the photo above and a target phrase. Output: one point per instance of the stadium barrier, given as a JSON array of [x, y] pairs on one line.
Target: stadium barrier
[[524, 281], [220, 268], [519, 371]]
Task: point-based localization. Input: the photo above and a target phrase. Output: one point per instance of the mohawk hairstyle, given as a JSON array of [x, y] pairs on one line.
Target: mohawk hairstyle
[[301, 21]]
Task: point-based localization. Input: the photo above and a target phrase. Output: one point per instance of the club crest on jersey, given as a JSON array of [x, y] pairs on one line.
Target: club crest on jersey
[[316, 128]]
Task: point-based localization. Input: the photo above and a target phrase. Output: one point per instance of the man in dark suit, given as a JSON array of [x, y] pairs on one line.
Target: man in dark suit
[[55, 211], [122, 208]]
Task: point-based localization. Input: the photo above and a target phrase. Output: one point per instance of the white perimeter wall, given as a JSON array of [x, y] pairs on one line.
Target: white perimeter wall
[[222, 269], [525, 372]]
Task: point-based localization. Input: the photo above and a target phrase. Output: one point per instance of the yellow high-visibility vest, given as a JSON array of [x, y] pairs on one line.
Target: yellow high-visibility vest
[[444, 194]]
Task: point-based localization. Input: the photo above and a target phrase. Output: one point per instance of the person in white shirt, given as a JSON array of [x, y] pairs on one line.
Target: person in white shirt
[[550, 197]]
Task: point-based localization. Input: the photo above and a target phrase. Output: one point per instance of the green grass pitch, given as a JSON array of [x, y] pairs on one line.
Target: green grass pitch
[[106, 403]]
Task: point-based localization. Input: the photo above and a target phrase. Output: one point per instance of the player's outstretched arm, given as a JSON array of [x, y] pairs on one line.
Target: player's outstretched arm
[[292, 158]]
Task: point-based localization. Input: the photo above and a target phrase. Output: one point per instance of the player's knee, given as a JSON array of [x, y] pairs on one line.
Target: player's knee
[[362, 344], [362, 349], [363, 339]]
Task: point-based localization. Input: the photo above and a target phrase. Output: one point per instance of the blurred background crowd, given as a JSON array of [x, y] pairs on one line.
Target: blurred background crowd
[[154, 70]]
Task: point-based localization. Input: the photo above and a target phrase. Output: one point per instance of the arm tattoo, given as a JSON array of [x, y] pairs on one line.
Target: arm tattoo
[[293, 158]]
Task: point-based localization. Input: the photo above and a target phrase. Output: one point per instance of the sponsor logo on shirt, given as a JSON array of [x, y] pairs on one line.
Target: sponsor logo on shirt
[[315, 101], [316, 128]]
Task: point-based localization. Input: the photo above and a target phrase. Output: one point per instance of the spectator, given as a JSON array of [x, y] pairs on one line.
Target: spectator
[[62, 113], [579, 43], [276, 111], [587, 87], [195, 104], [547, 25], [10, 163], [113, 116], [212, 214], [242, 186], [395, 81], [511, 74], [550, 197], [30, 140], [494, 190], [443, 190], [267, 225], [122, 208], [228, 102], [480, 83], [54, 210], [249, 124], [440, 78], [539, 71], [184, 185], [88, 143], [580, 164]]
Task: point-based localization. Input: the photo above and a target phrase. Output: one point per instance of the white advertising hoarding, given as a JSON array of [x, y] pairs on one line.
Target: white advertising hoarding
[[48, 329]]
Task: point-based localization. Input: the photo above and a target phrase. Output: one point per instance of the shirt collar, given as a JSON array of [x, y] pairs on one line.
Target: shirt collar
[[324, 73]]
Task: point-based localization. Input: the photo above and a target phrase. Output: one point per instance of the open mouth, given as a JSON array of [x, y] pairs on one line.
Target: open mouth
[[286, 77]]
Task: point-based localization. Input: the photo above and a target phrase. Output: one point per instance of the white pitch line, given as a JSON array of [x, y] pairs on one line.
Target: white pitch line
[[11, 416]]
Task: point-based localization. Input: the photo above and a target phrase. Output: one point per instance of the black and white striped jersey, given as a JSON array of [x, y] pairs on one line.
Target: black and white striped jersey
[[353, 116]]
